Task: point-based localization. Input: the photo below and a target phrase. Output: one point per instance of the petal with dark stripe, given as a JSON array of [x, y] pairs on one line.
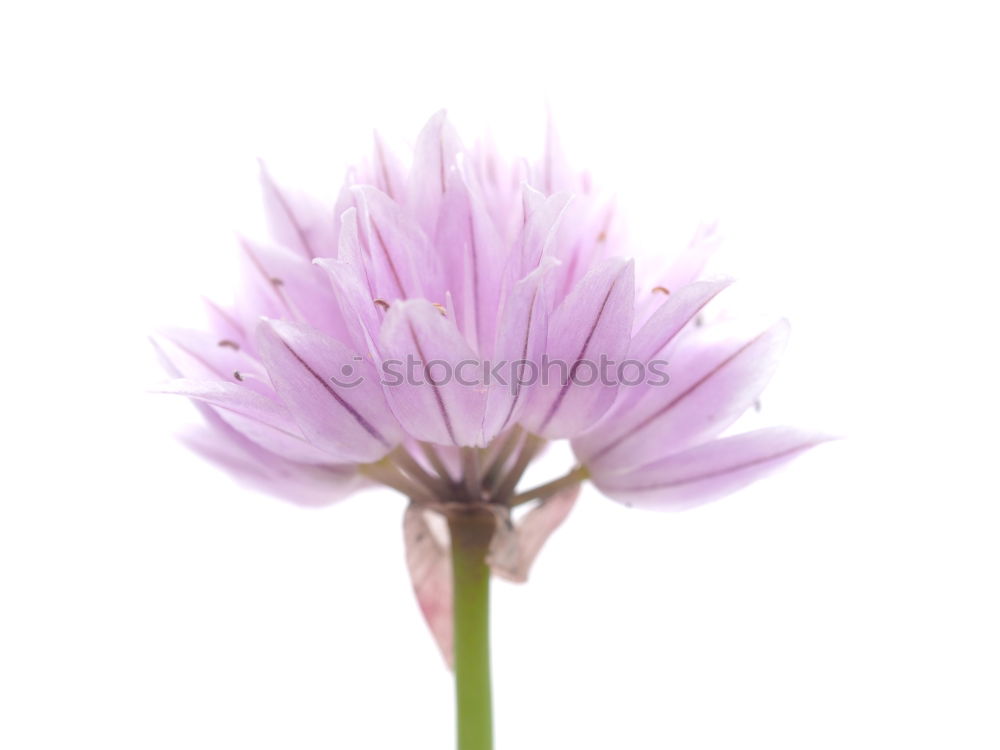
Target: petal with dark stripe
[[431, 376], [433, 160], [333, 393], [521, 341], [708, 471], [588, 334], [680, 307], [296, 221], [402, 260], [267, 423], [715, 378]]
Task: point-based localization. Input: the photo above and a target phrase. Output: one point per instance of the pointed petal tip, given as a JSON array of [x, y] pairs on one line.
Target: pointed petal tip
[[709, 471]]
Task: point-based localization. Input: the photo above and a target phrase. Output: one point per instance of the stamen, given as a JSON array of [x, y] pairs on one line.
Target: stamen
[[661, 290], [276, 282], [381, 303], [230, 344], [443, 310], [245, 376]]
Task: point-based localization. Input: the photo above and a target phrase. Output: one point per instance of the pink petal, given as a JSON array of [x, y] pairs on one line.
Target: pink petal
[[256, 417], [203, 356], [473, 253], [590, 327], [354, 291], [297, 221], [712, 384], [521, 341], [254, 467], [695, 257], [332, 393], [404, 265], [708, 471], [429, 401], [281, 284], [429, 563], [224, 324], [541, 227], [433, 159], [388, 173], [679, 308], [554, 172]]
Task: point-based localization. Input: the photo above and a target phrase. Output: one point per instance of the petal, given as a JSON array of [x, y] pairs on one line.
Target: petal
[[512, 555], [281, 284], [433, 158], [588, 330], [254, 467], [429, 564], [540, 230], [680, 307], [224, 324], [203, 356], [692, 261], [354, 291], [712, 383], [707, 472], [297, 221], [403, 263], [332, 393], [256, 417], [431, 377], [554, 172], [388, 174], [473, 253], [521, 341]]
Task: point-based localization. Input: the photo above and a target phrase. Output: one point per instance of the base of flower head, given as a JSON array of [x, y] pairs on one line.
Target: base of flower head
[[483, 481]]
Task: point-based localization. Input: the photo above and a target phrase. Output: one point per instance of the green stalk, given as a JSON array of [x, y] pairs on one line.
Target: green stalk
[[470, 540]]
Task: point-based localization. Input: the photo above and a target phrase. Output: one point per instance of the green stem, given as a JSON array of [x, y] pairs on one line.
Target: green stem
[[470, 540]]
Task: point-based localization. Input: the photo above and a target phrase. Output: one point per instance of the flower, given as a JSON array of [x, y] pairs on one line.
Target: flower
[[405, 336]]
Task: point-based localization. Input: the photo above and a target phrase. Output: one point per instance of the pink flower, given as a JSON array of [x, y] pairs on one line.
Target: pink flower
[[390, 338]]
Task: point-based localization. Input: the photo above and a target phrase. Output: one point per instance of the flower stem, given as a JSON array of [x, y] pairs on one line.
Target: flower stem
[[470, 540]]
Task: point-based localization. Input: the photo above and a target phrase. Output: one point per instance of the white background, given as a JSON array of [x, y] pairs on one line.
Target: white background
[[851, 602]]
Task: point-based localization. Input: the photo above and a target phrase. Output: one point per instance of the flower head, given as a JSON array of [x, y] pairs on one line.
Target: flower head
[[443, 322]]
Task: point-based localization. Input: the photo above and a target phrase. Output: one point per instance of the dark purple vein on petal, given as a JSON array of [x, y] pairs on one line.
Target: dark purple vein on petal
[[667, 407], [287, 210], [243, 414], [524, 356], [590, 334], [701, 306], [273, 283], [365, 424], [227, 317], [434, 386], [388, 257]]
